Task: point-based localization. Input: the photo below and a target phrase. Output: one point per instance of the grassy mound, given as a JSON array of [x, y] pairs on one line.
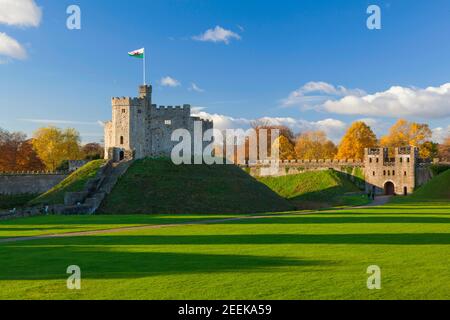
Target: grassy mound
[[437, 189], [315, 189], [159, 186], [73, 183]]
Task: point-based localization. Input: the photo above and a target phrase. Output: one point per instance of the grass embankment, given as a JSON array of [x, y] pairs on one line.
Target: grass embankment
[[73, 183], [317, 189], [158, 186], [437, 189], [15, 201]]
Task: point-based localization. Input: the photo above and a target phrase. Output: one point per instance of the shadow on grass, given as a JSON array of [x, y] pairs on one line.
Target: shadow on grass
[[101, 263], [241, 239], [341, 218]]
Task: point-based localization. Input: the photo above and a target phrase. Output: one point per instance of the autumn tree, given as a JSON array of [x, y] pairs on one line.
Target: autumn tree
[[17, 153], [314, 145], [54, 145], [28, 159], [404, 133], [444, 149], [358, 137], [259, 125], [92, 151], [284, 147]]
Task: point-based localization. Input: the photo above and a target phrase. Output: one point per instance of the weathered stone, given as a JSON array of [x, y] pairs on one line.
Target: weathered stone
[[140, 129]]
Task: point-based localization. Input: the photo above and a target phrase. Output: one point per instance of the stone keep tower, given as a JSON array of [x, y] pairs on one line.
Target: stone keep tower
[[391, 175], [141, 129]]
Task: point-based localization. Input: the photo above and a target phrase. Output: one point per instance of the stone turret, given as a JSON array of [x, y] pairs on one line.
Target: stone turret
[[145, 92]]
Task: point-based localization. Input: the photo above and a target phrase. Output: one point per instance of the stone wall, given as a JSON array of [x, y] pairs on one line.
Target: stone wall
[[29, 183], [283, 168]]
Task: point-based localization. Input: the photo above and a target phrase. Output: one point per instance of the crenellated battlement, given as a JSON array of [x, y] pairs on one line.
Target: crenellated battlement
[[387, 152], [320, 162], [126, 101], [33, 173], [175, 108]]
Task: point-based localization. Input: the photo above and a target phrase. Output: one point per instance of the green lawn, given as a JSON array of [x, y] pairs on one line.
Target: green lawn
[[318, 256], [48, 225]]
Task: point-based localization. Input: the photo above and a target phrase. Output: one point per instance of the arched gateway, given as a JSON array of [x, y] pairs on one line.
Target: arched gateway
[[389, 188]]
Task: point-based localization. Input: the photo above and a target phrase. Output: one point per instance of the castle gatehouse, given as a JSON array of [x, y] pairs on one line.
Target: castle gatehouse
[[394, 173]]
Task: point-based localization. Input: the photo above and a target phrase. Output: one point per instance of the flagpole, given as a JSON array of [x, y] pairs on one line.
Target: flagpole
[[144, 68]]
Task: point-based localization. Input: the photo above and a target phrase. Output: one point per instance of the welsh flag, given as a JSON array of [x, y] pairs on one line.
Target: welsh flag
[[137, 53]]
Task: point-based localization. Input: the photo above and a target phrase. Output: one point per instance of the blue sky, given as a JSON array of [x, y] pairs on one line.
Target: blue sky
[[307, 64]]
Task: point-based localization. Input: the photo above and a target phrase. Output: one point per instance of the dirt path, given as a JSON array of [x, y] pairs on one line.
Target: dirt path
[[144, 227], [381, 200]]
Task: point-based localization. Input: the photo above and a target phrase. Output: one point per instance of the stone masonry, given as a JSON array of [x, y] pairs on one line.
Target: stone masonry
[[141, 129], [399, 173]]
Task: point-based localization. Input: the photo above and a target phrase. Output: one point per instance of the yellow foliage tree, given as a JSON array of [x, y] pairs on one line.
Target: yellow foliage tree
[[54, 146], [314, 145], [285, 148], [404, 133], [358, 137]]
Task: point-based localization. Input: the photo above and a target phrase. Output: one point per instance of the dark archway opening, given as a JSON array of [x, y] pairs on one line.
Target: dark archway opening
[[389, 188], [405, 191], [121, 155]]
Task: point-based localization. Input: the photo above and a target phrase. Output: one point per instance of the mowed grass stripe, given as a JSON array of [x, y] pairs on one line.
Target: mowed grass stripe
[[320, 256]]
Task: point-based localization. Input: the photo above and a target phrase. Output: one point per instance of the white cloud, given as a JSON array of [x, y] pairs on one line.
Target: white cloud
[[315, 93], [10, 48], [439, 134], [169, 82], [23, 13], [222, 122], [432, 102], [196, 88], [332, 127], [218, 34]]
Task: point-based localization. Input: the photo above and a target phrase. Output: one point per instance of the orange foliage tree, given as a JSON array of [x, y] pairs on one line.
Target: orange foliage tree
[[358, 137], [404, 133], [444, 149], [17, 153], [314, 145], [285, 148]]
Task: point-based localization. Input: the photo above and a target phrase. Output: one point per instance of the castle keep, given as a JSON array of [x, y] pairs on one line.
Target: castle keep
[[141, 129]]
